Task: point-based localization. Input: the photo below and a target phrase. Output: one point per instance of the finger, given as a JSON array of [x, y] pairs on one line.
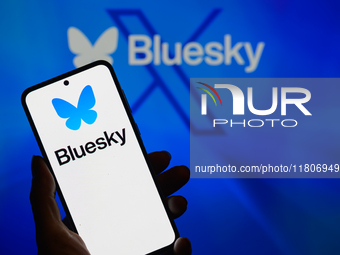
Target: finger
[[44, 207], [172, 180], [177, 205], [67, 223], [159, 161], [182, 246]]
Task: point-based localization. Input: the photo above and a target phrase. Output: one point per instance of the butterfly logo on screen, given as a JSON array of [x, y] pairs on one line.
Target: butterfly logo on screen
[[85, 52], [75, 115]]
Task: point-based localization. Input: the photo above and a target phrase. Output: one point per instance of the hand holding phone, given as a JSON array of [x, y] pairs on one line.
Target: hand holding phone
[[92, 147], [53, 237]]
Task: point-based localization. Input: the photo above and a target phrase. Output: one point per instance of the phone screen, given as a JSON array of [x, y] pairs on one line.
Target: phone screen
[[85, 131]]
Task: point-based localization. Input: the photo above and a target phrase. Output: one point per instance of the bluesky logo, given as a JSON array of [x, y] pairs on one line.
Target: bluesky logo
[[145, 49], [225, 51], [192, 53], [64, 155], [85, 52], [75, 115]]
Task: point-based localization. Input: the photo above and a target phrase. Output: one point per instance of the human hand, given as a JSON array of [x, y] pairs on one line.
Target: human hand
[[54, 237], [169, 182]]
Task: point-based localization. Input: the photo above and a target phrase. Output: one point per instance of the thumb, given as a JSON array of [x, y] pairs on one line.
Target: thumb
[[45, 209]]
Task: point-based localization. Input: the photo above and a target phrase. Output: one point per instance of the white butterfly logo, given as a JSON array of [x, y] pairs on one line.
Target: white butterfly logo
[[86, 53]]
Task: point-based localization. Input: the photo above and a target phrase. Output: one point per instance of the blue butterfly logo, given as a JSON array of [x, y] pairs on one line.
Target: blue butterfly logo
[[73, 114]]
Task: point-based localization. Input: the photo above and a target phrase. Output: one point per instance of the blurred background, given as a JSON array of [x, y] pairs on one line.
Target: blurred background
[[224, 216]]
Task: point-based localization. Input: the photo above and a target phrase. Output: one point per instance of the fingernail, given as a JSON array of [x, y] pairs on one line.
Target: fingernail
[[34, 165], [168, 154]]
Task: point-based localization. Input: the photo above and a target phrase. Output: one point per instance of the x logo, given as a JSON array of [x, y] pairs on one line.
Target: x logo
[[158, 82]]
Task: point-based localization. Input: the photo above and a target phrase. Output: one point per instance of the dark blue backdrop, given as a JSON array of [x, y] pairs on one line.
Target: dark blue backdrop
[[225, 216]]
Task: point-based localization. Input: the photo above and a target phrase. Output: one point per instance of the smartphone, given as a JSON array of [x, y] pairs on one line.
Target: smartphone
[[86, 133]]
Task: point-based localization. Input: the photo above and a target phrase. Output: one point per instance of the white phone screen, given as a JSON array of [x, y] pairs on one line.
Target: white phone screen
[[99, 165]]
